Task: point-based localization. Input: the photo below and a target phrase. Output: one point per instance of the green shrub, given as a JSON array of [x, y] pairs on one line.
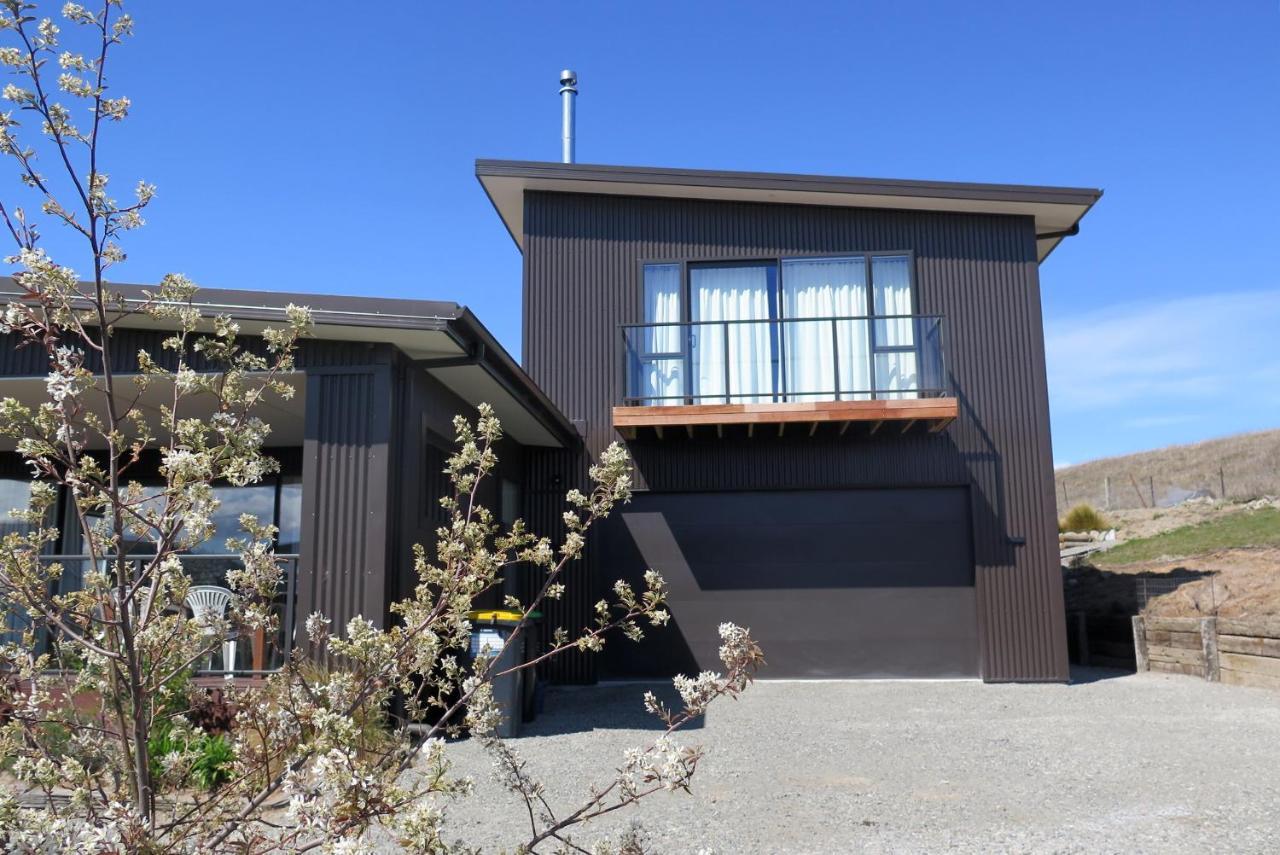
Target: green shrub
[[211, 756], [1083, 518], [160, 743], [212, 766]]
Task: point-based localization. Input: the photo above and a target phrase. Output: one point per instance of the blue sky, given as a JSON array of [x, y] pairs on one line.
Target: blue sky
[[329, 147]]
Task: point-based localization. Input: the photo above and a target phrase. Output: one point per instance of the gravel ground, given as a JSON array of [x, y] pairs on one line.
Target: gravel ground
[[1112, 763]]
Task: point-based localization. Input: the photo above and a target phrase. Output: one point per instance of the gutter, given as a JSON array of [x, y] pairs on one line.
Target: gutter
[[259, 312], [484, 350], [463, 327]]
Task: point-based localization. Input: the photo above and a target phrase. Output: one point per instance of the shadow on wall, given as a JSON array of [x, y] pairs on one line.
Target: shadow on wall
[[993, 546], [833, 584], [849, 460]]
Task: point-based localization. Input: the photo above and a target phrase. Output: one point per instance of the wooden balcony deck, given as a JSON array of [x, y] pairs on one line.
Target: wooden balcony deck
[[902, 415]]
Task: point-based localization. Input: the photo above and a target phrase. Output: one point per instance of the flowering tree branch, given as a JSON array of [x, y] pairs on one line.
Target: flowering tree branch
[[350, 733]]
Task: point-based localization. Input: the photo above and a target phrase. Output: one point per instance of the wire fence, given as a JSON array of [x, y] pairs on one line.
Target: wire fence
[[1234, 480], [1148, 588]]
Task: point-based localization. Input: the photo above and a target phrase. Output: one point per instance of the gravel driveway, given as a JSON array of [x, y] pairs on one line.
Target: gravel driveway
[[1146, 763]]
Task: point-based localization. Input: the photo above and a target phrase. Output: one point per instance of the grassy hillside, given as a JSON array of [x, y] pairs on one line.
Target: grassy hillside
[[1248, 463], [1242, 529]]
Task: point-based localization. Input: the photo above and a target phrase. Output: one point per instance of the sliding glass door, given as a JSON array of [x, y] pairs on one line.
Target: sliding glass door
[[897, 374], [795, 329], [659, 350], [826, 360], [735, 361]]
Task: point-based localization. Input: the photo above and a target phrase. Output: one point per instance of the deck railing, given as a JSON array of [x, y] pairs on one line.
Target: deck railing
[[784, 360], [255, 655]]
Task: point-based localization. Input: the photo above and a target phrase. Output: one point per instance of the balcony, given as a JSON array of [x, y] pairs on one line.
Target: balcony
[[881, 373]]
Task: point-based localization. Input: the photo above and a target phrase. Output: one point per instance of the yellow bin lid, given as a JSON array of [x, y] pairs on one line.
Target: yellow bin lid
[[491, 615]]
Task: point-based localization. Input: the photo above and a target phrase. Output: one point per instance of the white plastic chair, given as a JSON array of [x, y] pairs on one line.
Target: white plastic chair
[[213, 600]]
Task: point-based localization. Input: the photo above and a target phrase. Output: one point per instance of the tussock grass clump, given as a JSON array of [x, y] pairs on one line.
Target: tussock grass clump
[[1083, 518]]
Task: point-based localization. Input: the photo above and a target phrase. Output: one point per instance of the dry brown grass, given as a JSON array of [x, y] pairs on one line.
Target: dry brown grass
[[1239, 583], [1249, 463]]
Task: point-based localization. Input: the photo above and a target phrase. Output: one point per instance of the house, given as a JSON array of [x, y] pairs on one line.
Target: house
[[362, 446], [833, 390]]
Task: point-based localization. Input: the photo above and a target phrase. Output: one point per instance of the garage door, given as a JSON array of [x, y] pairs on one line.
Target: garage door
[[849, 583]]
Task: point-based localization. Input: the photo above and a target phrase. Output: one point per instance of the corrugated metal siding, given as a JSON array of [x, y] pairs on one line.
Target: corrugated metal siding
[[364, 500], [422, 443], [582, 279], [548, 476], [343, 570], [369, 412]]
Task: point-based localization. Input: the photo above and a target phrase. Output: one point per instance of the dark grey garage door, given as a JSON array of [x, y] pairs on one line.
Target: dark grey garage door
[[838, 583]]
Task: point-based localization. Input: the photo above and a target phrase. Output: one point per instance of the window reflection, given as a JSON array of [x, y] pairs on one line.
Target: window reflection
[[289, 540], [259, 500], [277, 501], [15, 494]]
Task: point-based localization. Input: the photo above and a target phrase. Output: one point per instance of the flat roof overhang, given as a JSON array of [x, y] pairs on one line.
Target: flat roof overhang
[[445, 339], [900, 414], [1057, 210], [286, 419]]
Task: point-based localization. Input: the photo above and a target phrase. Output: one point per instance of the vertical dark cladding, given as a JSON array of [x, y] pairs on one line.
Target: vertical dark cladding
[[582, 279], [372, 430], [343, 570]]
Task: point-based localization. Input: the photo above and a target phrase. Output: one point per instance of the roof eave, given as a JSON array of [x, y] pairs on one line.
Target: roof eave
[[468, 331], [337, 312], [785, 181], [1057, 207]]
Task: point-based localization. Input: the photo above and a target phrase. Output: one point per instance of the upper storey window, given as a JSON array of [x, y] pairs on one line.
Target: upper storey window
[[790, 329]]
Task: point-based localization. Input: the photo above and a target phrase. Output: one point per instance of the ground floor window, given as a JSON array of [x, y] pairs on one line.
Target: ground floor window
[[276, 500]]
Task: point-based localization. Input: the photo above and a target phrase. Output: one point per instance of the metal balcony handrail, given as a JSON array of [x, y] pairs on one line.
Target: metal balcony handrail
[[781, 320], [924, 341]]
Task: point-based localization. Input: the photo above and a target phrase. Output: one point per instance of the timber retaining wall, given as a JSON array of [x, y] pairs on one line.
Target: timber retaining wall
[[1227, 650]]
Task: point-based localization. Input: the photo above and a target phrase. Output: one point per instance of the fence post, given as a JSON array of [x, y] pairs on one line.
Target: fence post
[[1209, 646], [1151, 483], [1140, 644], [1106, 489], [1222, 484], [1137, 490]]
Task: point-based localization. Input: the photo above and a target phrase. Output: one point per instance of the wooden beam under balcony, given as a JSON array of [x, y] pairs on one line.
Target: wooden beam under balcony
[[937, 413]]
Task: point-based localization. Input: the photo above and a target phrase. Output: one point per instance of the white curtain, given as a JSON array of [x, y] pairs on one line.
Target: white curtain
[[738, 293], [661, 381], [896, 373], [825, 288]]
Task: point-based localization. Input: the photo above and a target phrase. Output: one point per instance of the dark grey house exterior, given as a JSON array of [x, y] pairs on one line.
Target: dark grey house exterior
[[833, 390], [362, 445]]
